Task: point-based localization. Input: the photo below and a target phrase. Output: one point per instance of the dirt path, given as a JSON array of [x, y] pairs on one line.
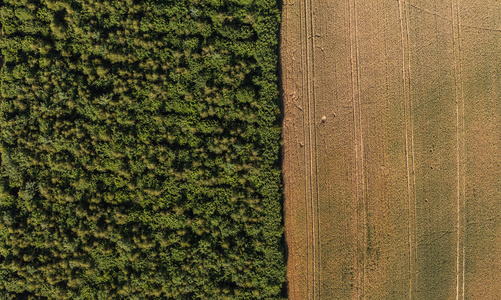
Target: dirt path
[[392, 141]]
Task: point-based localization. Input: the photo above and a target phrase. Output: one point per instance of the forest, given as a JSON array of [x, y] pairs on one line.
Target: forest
[[139, 146]]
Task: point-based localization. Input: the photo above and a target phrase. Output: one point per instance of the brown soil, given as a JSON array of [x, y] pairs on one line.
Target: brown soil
[[392, 149]]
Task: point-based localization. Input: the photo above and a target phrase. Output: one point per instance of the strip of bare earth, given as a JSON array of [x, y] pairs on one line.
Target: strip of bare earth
[[295, 188]]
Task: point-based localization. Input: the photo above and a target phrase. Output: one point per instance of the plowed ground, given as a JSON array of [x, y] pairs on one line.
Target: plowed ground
[[392, 148]]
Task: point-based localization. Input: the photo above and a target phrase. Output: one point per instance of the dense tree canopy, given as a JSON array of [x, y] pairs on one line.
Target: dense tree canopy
[[139, 147]]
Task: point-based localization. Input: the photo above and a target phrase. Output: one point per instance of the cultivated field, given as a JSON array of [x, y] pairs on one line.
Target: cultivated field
[[392, 148]]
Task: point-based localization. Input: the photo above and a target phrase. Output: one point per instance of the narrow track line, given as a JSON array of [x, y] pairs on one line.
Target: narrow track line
[[361, 182], [355, 130], [304, 52], [413, 190], [412, 144], [436, 14], [458, 168], [463, 135], [310, 97], [406, 94], [481, 28], [318, 272]]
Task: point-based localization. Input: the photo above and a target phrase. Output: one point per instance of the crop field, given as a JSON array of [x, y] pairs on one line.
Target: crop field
[[392, 148]]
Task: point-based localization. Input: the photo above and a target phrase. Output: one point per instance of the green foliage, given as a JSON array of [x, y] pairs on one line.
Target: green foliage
[[139, 146]]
